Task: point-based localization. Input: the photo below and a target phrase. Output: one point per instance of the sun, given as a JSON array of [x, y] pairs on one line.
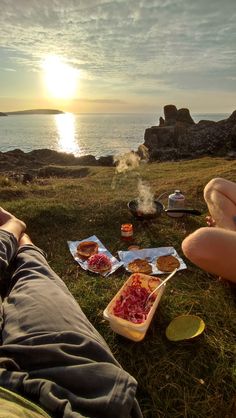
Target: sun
[[60, 79]]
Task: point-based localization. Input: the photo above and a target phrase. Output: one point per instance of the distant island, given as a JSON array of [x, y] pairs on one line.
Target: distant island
[[33, 112]]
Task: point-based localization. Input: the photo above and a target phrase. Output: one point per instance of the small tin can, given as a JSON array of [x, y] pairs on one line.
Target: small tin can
[[127, 232], [176, 200]]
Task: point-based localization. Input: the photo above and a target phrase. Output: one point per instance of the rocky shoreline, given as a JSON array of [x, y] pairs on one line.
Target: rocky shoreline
[[176, 137], [17, 163]]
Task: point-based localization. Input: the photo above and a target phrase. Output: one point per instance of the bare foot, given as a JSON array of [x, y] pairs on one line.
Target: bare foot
[[5, 216], [210, 221], [10, 223], [24, 240]]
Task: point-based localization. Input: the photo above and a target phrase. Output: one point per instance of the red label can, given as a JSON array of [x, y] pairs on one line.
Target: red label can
[[127, 232]]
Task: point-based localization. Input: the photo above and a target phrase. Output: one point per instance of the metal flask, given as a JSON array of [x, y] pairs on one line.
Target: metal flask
[[176, 200]]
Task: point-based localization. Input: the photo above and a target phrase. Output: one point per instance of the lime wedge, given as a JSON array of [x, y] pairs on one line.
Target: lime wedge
[[184, 327]]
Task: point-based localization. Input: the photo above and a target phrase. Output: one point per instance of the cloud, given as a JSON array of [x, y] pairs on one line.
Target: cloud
[[8, 69], [133, 46], [103, 101]]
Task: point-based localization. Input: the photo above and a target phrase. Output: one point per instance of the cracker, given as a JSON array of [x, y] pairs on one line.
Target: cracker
[[167, 263], [140, 265]]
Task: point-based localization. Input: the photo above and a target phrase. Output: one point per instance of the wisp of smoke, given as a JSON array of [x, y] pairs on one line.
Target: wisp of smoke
[[143, 153], [145, 199], [127, 166], [127, 162]]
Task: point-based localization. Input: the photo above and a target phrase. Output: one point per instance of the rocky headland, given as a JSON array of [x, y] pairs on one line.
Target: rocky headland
[[34, 112], [176, 137]]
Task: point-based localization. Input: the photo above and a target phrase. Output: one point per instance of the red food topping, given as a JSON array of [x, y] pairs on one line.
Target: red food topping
[[99, 262], [131, 304]]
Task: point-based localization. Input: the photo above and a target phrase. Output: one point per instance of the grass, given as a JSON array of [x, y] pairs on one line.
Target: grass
[[187, 379]]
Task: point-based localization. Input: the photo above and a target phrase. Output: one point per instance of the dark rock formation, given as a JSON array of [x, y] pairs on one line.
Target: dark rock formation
[[161, 121], [170, 113], [37, 159], [232, 118], [107, 161], [233, 138], [181, 137], [183, 116], [3, 114]]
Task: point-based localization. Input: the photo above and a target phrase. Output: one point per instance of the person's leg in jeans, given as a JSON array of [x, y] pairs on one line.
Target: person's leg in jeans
[[11, 229], [50, 352]]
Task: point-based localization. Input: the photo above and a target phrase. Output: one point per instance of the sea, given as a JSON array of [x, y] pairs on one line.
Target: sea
[[81, 134]]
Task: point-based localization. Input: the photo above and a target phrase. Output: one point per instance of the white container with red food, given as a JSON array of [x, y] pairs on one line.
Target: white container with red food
[[135, 331]]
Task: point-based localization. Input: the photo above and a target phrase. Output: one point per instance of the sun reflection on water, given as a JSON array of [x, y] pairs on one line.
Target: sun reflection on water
[[65, 124]]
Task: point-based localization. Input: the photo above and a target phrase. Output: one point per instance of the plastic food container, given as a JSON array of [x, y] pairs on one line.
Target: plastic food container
[[128, 329]]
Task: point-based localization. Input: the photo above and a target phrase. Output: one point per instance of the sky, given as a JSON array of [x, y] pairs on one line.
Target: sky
[[118, 55]]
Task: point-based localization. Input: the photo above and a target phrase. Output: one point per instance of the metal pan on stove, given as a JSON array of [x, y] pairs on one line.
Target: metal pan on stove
[[159, 208]]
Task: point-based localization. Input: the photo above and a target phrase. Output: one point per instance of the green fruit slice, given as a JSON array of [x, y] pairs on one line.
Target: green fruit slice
[[184, 327]]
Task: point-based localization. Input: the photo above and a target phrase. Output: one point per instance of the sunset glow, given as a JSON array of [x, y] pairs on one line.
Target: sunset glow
[[118, 56], [61, 80], [65, 124]]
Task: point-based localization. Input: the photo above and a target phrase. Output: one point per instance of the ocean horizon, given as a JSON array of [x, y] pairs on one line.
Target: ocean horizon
[[98, 134]]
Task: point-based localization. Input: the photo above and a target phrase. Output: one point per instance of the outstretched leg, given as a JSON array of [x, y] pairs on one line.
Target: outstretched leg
[[51, 352], [50, 306]]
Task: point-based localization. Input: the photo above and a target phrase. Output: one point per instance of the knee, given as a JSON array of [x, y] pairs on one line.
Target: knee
[[217, 183], [194, 245]]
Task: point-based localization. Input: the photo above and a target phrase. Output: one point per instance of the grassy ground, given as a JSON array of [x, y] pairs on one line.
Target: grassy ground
[[189, 379]]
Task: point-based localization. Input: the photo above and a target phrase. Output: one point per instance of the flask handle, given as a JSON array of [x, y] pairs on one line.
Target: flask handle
[[162, 195]]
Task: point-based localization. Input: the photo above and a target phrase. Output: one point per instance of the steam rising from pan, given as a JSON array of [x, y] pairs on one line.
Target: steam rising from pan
[[145, 199]]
